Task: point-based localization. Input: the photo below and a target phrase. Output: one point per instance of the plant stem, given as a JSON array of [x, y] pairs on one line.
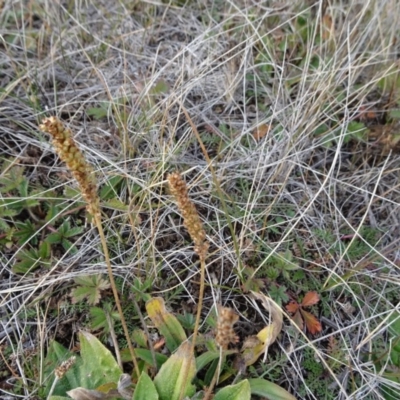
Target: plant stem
[[97, 219], [200, 303]]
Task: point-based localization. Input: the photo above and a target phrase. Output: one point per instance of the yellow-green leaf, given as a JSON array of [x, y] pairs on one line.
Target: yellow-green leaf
[[240, 391], [270, 390], [166, 323], [145, 389], [176, 374]]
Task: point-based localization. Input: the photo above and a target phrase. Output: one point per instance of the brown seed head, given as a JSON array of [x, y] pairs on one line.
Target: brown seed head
[[60, 371], [191, 218], [69, 152], [225, 332]]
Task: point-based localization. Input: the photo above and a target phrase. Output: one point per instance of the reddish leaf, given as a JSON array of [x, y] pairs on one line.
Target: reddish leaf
[[310, 299], [261, 131], [298, 320], [292, 307], [312, 323]]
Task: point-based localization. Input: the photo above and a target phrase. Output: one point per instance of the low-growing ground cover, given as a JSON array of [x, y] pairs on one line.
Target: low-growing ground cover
[[275, 269]]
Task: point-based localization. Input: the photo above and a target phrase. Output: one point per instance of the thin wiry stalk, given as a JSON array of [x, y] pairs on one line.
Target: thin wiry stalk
[[73, 157]]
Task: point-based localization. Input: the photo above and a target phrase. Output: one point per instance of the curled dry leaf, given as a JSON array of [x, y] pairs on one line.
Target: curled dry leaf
[[268, 335], [86, 394], [124, 390], [125, 386]]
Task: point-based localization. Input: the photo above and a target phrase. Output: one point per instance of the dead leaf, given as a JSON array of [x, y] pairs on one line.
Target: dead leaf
[[86, 394], [269, 334], [298, 320], [125, 386], [328, 27], [292, 307], [261, 131], [310, 299], [312, 323], [159, 344]]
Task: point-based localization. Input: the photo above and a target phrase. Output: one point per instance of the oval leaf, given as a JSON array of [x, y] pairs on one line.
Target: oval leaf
[[312, 324], [261, 387], [177, 372], [240, 391], [310, 299], [99, 366], [145, 389]]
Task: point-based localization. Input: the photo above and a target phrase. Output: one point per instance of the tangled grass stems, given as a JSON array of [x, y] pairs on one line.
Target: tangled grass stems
[[69, 152]]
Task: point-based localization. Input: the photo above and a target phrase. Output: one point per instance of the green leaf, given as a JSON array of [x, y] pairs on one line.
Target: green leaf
[[160, 87], [72, 193], [44, 251], [27, 232], [54, 238], [394, 329], [390, 81], [25, 266], [97, 112], [209, 356], [90, 293], [68, 246], [52, 212], [6, 211], [261, 387], [4, 226], [98, 318], [394, 324], [240, 391], [90, 287], [146, 356], [139, 336], [23, 188], [56, 355], [11, 175], [95, 367], [99, 366], [29, 260], [64, 227], [111, 188], [206, 358], [357, 130], [211, 371], [145, 389], [115, 204], [170, 380], [73, 231], [394, 114]]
